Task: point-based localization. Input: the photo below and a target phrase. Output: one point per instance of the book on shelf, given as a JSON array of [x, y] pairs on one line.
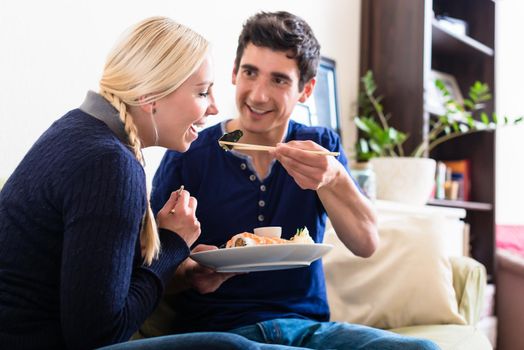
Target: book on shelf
[[453, 180], [461, 172]]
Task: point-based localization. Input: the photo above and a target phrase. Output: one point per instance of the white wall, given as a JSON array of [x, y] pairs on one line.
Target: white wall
[[509, 101], [53, 51]]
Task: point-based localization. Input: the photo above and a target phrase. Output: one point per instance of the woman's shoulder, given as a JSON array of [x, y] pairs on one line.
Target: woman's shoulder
[[78, 142]]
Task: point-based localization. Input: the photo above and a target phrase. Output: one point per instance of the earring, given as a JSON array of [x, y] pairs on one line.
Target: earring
[[153, 112]]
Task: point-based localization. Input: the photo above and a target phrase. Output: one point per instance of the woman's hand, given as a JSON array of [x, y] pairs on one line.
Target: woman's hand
[[178, 215]]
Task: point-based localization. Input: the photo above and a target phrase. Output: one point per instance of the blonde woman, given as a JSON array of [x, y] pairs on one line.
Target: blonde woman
[[82, 263]]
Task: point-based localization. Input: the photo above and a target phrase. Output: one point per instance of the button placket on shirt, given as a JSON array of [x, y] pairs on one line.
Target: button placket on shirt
[[261, 195]]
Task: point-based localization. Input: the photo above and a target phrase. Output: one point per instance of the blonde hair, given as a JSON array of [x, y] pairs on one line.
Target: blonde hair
[[151, 60]]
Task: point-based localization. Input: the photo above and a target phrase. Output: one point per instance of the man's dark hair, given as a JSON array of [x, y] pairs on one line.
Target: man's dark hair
[[282, 31]]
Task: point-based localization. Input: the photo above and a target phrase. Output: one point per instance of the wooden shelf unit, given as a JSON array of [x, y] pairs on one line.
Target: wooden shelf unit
[[401, 42]]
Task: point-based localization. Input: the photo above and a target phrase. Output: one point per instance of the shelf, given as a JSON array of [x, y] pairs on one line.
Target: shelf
[[445, 41], [468, 205], [402, 75]]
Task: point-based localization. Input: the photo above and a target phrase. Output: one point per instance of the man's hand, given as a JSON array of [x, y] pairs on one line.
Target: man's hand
[[191, 274], [310, 171], [351, 213]]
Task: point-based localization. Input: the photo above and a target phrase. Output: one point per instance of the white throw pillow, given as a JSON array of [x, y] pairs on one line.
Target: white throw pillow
[[408, 281]]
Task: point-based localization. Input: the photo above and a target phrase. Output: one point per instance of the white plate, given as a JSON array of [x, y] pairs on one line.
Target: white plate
[[262, 257]]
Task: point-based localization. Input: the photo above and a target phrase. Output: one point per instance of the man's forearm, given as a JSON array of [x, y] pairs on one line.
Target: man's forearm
[[351, 213]]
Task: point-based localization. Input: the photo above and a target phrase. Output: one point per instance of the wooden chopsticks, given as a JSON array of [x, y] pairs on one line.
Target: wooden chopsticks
[[250, 147]]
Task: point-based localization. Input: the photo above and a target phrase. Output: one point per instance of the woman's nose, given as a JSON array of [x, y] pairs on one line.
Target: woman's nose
[[212, 109]]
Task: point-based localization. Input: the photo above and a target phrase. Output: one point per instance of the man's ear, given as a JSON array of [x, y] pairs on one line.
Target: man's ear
[[307, 90], [234, 75]]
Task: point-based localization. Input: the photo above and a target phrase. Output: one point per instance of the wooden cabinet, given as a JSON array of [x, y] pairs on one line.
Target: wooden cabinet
[[402, 42]]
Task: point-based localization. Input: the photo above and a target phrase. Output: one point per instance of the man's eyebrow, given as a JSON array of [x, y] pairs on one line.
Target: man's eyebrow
[[249, 66], [281, 76], [278, 75]]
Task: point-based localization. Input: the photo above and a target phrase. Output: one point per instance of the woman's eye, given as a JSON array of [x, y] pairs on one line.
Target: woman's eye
[[204, 94]]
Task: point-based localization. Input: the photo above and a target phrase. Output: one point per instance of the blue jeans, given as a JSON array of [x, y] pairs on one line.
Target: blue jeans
[[196, 341], [330, 335]]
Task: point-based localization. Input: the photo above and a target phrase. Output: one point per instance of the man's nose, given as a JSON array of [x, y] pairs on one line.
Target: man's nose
[[259, 92]]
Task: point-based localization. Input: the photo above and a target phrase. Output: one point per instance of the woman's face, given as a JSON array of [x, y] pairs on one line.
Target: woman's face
[[179, 114]]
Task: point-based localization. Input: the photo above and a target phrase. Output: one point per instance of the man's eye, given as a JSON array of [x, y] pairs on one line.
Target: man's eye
[[248, 72], [280, 81]]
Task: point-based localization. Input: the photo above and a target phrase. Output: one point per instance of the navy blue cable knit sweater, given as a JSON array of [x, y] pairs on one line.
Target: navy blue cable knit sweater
[[71, 275]]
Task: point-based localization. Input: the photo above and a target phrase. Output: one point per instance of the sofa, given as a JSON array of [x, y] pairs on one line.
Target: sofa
[[409, 286], [509, 300]]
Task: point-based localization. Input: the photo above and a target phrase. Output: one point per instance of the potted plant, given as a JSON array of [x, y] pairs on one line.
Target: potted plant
[[409, 177]]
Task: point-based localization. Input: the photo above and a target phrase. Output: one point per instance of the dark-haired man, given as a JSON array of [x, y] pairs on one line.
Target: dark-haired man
[[275, 68]]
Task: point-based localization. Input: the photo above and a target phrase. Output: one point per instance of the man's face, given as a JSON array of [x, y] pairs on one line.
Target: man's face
[[267, 90]]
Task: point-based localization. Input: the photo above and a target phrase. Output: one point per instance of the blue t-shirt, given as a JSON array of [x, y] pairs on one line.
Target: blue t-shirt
[[232, 199]]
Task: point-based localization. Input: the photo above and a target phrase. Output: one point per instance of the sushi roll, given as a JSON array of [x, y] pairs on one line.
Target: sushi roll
[[246, 239]]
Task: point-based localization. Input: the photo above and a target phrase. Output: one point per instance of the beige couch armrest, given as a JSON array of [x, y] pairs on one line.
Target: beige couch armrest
[[469, 282]]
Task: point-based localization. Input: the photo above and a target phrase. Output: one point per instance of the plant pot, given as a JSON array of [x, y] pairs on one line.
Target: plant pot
[[403, 179]]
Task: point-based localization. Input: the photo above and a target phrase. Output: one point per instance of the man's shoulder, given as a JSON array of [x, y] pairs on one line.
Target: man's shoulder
[[319, 134]]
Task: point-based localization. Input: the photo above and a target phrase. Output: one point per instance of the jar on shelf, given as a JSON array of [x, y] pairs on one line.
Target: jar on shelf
[[365, 176]]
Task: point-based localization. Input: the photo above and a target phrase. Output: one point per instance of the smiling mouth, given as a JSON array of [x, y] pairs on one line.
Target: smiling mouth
[[197, 127], [257, 110]]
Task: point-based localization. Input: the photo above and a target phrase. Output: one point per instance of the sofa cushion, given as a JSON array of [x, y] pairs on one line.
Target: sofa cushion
[[449, 337], [469, 282], [408, 280]]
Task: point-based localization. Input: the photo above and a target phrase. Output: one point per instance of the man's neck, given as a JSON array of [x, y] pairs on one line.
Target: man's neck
[[270, 138], [261, 159]]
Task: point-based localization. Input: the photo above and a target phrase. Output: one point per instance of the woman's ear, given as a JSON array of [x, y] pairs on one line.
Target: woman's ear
[[147, 107], [307, 90]]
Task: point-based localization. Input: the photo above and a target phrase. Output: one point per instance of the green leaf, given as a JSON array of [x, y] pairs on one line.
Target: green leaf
[[369, 82], [442, 87], [469, 104], [484, 118], [470, 121], [362, 124], [376, 147], [363, 146], [444, 119], [392, 133]]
